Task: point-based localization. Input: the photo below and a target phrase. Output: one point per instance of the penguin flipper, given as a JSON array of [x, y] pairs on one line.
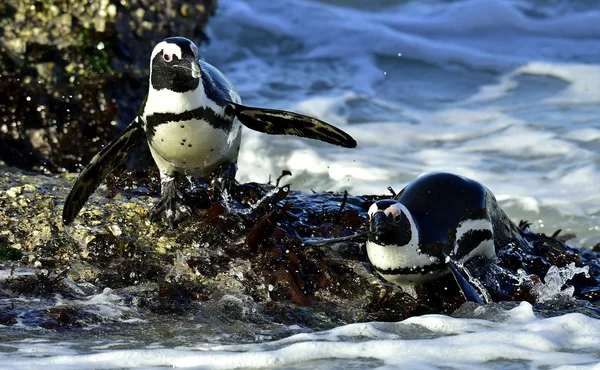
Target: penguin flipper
[[99, 167], [468, 290], [279, 122]]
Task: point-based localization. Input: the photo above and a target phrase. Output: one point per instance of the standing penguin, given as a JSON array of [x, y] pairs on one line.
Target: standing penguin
[[436, 223], [192, 117]]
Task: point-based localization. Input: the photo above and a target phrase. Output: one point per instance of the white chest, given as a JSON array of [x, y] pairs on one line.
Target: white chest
[[182, 139], [407, 280], [391, 257], [195, 146], [409, 258]]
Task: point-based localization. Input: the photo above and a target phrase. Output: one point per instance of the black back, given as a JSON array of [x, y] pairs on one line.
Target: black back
[[438, 202], [215, 84]]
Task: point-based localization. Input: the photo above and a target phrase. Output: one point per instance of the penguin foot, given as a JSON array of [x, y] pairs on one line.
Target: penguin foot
[[222, 181], [172, 206]]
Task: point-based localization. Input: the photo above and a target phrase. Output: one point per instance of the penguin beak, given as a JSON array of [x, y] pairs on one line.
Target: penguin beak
[[196, 71], [378, 225]]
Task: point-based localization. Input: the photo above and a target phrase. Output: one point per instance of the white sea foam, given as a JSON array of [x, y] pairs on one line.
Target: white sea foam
[[107, 305], [425, 342], [505, 92], [6, 271]]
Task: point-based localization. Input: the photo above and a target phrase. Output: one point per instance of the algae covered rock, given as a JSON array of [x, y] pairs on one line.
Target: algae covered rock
[[74, 72], [252, 252], [259, 259]]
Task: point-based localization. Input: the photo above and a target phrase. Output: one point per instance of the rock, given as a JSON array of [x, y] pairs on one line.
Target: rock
[[249, 265], [74, 72], [209, 258], [14, 191]]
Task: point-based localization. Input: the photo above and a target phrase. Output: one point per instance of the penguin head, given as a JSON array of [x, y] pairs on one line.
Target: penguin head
[[391, 224], [174, 65]]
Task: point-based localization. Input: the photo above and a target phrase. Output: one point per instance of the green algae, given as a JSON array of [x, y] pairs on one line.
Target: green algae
[[8, 253]]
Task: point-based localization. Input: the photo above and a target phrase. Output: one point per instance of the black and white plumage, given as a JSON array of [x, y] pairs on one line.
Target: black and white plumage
[[192, 117], [437, 219]]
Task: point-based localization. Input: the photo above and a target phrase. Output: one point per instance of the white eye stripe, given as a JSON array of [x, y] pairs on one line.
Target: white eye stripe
[[167, 48], [392, 211], [372, 209], [394, 208]]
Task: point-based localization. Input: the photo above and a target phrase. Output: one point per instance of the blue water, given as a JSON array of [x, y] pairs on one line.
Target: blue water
[[505, 92]]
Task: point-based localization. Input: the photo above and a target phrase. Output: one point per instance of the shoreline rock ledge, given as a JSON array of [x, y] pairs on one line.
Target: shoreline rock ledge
[[254, 252], [258, 254]]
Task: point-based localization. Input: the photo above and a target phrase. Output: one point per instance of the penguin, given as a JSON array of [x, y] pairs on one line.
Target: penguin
[[192, 117], [433, 227]]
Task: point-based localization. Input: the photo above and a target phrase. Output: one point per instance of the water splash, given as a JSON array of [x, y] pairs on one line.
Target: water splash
[[554, 280], [226, 200], [271, 194], [459, 269]]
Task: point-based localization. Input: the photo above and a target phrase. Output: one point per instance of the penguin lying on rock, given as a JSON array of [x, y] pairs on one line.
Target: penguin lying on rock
[[192, 117], [433, 227]]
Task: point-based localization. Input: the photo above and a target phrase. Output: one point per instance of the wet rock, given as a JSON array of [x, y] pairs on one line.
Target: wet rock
[[259, 262], [255, 254], [42, 283], [7, 318], [74, 72], [8, 253]]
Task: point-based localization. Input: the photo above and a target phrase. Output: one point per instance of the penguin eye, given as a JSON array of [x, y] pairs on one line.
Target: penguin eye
[[168, 57], [398, 218]]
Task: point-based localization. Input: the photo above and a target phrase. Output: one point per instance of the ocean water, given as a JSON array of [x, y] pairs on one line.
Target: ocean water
[[495, 336], [505, 92]]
